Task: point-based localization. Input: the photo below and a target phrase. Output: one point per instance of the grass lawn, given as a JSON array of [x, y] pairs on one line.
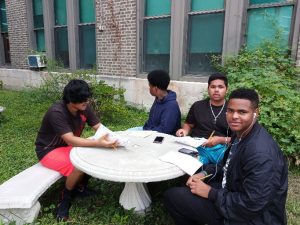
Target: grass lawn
[[18, 128]]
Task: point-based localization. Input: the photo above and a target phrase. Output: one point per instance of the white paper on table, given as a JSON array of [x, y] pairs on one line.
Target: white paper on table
[[185, 162], [188, 140], [102, 130], [140, 133]]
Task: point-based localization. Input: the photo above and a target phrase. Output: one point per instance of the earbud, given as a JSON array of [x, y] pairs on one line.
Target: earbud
[[254, 115]]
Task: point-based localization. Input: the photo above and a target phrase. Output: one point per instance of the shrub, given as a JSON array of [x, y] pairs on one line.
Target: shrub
[[108, 102], [273, 74]]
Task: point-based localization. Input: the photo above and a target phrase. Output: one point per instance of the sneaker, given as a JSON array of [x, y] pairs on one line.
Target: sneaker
[[83, 192], [62, 213]]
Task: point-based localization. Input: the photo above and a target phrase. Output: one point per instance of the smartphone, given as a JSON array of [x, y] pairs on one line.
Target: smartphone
[[189, 152], [158, 139]]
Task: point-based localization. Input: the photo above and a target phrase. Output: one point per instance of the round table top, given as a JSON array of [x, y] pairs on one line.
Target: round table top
[[136, 162]]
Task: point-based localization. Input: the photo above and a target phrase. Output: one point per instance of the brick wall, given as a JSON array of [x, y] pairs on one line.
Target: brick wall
[[16, 12], [116, 40]]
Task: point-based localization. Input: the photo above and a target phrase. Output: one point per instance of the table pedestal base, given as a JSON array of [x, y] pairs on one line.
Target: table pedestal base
[[135, 195]]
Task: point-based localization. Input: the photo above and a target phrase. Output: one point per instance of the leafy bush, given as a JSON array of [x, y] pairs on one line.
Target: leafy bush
[[273, 74], [108, 102]]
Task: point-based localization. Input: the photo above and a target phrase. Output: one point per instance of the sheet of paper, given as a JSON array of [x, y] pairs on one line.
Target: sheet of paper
[[194, 142], [102, 130], [141, 133], [185, 162]]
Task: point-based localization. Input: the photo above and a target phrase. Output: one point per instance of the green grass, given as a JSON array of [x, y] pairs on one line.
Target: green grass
[[18, 128]]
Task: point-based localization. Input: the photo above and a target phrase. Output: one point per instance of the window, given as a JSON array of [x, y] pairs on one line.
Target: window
[[4, 32], [156, 32], [269, 22], [205, 35], [61, 32], [38, 24], [87, 38]]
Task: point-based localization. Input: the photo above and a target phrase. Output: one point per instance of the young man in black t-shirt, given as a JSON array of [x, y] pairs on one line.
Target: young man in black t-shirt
[[207, 118], [61, 128]]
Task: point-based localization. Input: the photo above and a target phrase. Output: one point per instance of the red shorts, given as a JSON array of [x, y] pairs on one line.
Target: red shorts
[[59, 160]]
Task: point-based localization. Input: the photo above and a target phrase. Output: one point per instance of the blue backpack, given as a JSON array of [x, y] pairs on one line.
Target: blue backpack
[[213, 155]]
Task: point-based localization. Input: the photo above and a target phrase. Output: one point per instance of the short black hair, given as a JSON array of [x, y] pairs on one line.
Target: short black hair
[[159, 78], [218, 76], [246, 93], [76, 91]]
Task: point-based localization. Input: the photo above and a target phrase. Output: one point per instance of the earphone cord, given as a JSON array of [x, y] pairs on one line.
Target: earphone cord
[[228, 147]]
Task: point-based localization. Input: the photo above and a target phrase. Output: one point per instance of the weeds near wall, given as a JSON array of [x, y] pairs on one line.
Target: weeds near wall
[[108, 102]]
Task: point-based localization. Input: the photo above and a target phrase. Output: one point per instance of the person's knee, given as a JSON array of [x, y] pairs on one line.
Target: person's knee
[[173, 195], [78, 172]]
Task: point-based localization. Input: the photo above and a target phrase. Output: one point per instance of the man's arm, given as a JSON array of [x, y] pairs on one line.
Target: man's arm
[[258, 187], [185, 130], [217, 140], [96, 126], [75, 141], [168, 120]]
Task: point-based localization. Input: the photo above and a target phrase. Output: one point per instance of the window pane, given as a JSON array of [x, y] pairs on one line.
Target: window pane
[[205, 40], [200, 5], [60, 12], [61, 45], [156, 44], [252, 2], [87, 46], [40, 40], [157, 7], [6, 48], [3, 18], [269, 24], [38, 13], [87, 11]]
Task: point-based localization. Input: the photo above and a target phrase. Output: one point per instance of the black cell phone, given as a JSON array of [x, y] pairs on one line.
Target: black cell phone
[[158, 139], [188, 152]]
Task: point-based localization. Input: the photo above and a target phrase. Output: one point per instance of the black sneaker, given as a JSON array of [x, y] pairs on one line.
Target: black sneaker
[[83, 192], [62, 213]]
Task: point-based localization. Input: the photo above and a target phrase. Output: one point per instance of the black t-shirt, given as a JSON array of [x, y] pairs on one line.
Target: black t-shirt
[[201, 117], [58, 121]]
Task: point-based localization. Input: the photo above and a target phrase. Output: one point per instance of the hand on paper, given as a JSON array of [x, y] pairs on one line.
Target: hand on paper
[[181, 133], [104, 141]]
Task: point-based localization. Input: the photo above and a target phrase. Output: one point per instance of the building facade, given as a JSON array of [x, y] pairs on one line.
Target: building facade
[[125, 39]]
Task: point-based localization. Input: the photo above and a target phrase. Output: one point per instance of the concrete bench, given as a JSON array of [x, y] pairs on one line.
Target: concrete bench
[[19, 195]]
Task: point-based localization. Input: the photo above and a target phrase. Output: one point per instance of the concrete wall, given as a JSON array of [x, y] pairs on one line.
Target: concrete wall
[[137, 90]]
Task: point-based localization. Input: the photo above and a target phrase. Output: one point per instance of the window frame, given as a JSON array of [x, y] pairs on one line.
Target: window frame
[[189, 14], [5, 56], [294, 33], [140, 35], [233, 34], [79, 24]]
